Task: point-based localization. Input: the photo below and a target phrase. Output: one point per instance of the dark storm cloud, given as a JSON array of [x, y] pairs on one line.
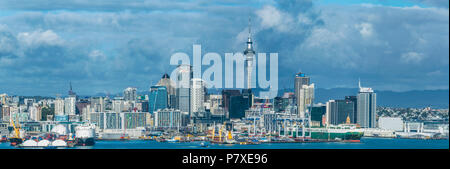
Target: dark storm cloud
[[105, 46]]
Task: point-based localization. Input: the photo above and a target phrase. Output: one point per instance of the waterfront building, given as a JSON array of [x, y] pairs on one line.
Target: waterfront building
[[114, 120], [130, 94], [390, 123], [197, 95], [367, 105], [157, 98], [168, 118]]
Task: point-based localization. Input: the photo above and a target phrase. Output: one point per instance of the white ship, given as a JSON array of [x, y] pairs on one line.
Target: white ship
[[85, 135]]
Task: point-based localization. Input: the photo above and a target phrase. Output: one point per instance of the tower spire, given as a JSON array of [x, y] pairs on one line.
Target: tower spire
[[359, 83], [249, 26]]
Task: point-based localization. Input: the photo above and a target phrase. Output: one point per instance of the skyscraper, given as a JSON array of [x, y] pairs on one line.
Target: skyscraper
[[184, 76], [197, 95], [158, 98], [338, 111], [249, 55], [367, 106], [301, 80], [130, 94], [69, 105], [171, 92], [59, 107]]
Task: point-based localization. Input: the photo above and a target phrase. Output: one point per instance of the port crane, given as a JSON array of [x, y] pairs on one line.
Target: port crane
[[16, 139]]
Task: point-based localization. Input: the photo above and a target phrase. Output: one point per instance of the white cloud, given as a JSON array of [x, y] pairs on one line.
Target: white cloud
[[412, 57], [365, 29], [97, 55], [40, 37], [271, 17]]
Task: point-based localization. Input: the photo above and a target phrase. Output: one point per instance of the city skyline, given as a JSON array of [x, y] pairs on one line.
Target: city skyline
[[45, 48]]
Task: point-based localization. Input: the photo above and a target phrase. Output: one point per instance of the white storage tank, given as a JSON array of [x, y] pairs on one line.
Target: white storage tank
[[30, 143], [44, 143], [59, 143]]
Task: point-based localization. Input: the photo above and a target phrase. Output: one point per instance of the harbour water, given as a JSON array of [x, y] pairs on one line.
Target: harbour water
[[366, 143]]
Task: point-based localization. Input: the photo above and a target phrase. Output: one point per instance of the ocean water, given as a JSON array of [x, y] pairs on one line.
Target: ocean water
[[366, 143]]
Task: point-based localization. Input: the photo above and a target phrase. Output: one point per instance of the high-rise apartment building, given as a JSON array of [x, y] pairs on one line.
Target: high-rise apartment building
[[367, 107]]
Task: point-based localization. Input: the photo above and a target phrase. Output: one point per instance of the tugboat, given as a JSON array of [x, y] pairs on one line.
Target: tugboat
[[85, 135]]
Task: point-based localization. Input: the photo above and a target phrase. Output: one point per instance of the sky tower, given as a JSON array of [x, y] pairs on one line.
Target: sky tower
[[249, 55]]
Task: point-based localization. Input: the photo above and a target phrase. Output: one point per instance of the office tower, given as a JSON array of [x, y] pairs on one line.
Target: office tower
[[237, 106], [248, 97], [353, 99], [249, 57], [367, 106], [184, 76], [130, 94], [171, 92], [226, 96], [300, 80], [338, 111], [157, 98], [318, 112], [197, 95], [305, 99], [216, 104], [59, 107], [69, 105], [3, 98]]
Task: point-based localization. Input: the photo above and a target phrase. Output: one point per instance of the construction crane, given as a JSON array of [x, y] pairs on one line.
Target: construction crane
[[16, 139]]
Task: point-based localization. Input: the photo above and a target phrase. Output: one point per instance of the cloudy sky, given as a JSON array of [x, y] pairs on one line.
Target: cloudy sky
[[106, 46]]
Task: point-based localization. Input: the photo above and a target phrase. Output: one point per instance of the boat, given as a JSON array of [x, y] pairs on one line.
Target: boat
[[204, 144], [85, 135], [345, 135]]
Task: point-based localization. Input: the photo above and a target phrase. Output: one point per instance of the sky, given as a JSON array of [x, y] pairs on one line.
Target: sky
[[105, 46]]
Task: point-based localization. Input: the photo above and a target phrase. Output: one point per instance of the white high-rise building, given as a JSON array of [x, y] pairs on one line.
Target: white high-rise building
[[197, 95], [69, 105], [367, 107], [117, 105], [35, 112], [130, 93], [305, 99], [59, 107]]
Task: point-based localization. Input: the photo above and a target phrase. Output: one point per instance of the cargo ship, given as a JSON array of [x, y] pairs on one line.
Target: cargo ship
[[85, 135], [345, 135]]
